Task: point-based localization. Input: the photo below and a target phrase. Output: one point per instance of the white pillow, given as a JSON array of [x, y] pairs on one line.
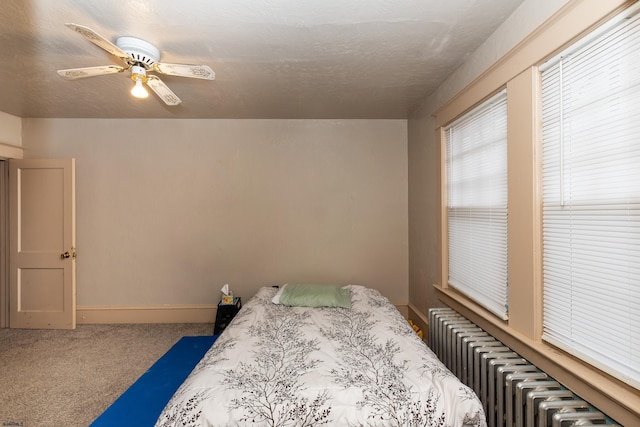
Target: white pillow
[[276, 297]]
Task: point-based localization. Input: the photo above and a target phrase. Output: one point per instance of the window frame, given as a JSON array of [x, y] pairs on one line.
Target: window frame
[[565, 78], [518, 69]]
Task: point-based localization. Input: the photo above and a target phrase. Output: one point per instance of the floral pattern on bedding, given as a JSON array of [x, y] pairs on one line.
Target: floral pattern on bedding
[[295, 367], [270, 385]]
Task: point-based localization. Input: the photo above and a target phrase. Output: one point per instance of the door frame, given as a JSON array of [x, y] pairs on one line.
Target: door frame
[[4, 244], [7, 151]]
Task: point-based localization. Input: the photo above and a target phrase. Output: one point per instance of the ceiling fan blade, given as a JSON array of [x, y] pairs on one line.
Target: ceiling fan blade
[[185, 70], [99, 41], [81, 73], [162, 90]]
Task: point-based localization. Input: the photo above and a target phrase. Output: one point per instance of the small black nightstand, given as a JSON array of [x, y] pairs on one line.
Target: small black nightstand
[[225, 313]]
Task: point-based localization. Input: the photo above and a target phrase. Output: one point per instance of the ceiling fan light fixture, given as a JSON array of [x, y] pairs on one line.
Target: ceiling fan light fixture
[[139, 75], [138, 90]]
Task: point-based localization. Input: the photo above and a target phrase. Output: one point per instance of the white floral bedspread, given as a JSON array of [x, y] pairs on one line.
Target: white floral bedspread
[[284, 366]]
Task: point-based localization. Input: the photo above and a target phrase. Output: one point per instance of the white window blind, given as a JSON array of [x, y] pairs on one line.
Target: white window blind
[[476, 167], [591, 201]]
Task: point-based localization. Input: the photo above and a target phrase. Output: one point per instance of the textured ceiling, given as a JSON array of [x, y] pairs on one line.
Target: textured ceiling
[[272, 58]]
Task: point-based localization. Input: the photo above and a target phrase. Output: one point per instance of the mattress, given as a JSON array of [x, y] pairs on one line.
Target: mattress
[[276, 365]]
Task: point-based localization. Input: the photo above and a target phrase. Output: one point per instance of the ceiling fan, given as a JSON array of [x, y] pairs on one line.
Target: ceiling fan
[[139, 57]]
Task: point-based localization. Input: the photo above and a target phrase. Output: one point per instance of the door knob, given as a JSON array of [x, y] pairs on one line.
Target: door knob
[[68, 254]]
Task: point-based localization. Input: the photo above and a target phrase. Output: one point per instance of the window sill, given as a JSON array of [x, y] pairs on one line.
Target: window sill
[[611, 396]]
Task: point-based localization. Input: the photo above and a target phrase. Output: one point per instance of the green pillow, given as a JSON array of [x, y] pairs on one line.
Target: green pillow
[[302, 295]]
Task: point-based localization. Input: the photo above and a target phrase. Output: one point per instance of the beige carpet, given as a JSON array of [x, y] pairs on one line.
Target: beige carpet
[[68, 378]]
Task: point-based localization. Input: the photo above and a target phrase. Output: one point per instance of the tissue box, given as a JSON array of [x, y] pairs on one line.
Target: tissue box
[[227, 299]]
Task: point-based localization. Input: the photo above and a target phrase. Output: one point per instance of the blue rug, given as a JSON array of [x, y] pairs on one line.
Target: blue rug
[[141, 404]]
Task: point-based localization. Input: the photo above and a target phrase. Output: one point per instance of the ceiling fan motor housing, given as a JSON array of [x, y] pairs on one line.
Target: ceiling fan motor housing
[[142, 52]]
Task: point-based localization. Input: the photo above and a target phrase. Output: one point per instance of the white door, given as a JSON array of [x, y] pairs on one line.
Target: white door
[[42, 282]]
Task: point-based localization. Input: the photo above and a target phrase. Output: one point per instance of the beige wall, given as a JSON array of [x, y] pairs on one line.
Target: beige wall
[[168, 211], [10, 129]]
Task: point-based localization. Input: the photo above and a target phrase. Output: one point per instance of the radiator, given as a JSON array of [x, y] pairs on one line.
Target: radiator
[[514, 392]]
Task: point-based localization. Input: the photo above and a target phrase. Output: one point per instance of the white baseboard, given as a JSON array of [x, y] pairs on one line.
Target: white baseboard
[[202, 313]]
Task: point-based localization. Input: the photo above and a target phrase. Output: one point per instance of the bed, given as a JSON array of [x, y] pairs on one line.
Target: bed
[[292, 365]]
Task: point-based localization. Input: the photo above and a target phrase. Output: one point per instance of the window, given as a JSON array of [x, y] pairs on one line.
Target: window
[[476, 165], [591, 199]]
